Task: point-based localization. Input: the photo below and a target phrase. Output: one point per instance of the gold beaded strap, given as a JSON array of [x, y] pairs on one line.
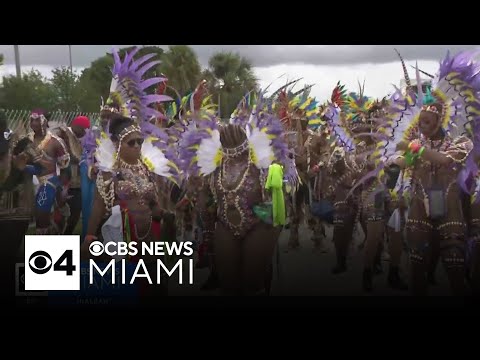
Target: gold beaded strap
[[237, 151], [451, 223], [421, 222], [106, 190]]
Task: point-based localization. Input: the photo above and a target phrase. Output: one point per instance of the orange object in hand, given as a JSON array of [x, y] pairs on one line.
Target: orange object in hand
[[414, 146]]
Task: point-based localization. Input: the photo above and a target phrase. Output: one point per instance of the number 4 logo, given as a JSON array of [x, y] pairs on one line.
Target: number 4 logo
[[68, 267], [53, 262]]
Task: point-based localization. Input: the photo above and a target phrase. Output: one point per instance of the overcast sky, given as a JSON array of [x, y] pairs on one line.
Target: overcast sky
[[322, 65]]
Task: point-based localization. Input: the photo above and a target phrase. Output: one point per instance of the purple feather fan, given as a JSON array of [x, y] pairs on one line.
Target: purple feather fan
[[463, 65], [167, 147], [461, 73], [198, 129], [274, 128]]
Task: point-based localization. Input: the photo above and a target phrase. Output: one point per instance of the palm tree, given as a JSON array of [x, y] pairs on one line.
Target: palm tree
[[181, 67], [229, 77]]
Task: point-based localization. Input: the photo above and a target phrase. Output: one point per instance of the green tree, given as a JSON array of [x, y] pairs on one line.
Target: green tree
[[180, 65], [65, 85], [1, 59], [230, 76], [31, 90]]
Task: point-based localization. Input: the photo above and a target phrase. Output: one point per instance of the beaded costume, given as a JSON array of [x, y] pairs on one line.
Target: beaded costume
[[118, 183], [433, 189], [45, 168], [202, 154]]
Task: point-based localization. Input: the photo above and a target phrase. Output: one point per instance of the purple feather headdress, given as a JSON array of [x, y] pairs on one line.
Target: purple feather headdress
[[128, 86], [204, 129], [128, 96]]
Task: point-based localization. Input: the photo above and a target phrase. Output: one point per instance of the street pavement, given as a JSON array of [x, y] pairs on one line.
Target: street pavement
[[305, 272]]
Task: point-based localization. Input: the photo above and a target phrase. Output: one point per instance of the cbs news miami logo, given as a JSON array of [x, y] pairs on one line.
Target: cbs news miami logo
[[52, 262]]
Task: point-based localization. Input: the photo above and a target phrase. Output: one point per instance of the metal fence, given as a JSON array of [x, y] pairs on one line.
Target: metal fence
[[18, 117]]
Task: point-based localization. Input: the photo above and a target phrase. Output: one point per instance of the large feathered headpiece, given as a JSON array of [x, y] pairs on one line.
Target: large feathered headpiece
[[292, 106], [197, 101], [334, 114], [129, 98], [357, 110], [201, 151], [127, 90]]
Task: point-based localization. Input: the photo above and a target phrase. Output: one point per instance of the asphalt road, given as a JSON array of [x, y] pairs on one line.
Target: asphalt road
[[304, 272]]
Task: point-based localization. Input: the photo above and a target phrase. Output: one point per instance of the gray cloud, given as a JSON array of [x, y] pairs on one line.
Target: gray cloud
[[55, 55], [260, 55]]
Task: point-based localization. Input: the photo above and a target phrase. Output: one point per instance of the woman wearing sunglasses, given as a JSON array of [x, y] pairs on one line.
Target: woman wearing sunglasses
[[132, 169], [127, 187]]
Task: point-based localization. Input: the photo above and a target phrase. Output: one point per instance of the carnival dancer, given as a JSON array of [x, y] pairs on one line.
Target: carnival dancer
[[469, 181], [180, 116], [132, 160], [71, 176], [49, 194], [377, 205], [318, 152], [296, 111], [88, 167], [234, 159], [410, 95], [342, 172], [435, 159], [16, 198]]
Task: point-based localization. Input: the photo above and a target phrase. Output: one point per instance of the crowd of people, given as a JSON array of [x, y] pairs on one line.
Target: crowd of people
[[404, 169]]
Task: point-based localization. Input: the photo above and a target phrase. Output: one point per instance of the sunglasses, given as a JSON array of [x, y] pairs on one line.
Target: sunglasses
[[132, 142]]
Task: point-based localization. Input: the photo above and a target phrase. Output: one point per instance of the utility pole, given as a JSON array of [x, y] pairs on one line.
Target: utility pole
[[17, 60], [70, 55]]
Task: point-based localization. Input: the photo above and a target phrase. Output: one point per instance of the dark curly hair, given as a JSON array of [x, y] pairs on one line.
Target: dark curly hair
[[117, 124]]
